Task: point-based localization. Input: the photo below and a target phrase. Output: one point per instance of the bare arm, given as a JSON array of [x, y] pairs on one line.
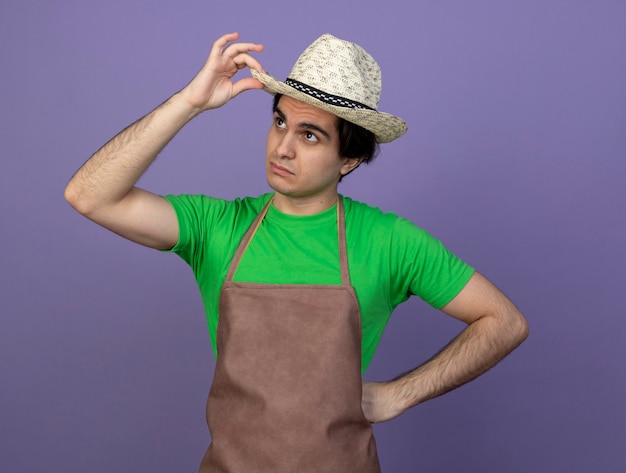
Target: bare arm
[[103, 189], [495, 328]]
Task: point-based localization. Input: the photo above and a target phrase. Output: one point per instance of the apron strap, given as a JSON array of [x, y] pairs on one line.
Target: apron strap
[[245, 241], [343, 252], [341, 232]]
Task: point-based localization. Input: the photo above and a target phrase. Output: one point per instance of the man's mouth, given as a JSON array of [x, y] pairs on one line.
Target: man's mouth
[[281, 170]]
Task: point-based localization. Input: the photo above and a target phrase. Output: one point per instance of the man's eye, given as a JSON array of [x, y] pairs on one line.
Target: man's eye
[[280, 123], [310, 136]]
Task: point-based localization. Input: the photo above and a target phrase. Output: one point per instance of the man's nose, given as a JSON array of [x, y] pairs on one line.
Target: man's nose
[[286, 146]]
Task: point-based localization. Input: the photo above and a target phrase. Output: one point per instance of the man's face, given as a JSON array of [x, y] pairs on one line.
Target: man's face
[[302, 156]]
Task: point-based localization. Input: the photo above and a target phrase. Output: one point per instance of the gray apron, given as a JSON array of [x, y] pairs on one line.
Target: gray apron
[[286, 393]]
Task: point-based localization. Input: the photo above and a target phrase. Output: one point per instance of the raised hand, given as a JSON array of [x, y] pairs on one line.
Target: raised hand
[[213, 86], [103, 189]]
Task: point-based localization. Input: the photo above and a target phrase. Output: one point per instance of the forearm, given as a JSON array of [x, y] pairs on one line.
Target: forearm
[[475, 350], [109, 175], [482, 344]]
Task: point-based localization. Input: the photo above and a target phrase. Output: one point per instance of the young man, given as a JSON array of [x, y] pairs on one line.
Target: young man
[[302, 280]]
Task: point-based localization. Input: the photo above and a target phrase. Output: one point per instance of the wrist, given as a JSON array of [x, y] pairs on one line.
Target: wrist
[[407, 391], [381, 402], [185, 105]]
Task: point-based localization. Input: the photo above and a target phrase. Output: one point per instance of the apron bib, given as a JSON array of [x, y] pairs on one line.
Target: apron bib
[[286, 393]]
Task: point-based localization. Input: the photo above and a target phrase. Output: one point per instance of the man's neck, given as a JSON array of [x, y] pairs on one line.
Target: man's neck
[[302, 205]]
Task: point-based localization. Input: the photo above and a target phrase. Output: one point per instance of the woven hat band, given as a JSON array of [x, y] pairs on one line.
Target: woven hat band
[[325, 97]]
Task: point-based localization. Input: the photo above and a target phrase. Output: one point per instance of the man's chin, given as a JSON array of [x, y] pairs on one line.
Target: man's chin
[[278, 185]]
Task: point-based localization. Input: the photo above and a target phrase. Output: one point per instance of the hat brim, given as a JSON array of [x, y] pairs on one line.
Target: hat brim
[[385, 127]]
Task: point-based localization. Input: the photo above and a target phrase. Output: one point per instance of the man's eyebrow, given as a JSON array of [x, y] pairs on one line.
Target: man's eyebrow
[[305, 125]]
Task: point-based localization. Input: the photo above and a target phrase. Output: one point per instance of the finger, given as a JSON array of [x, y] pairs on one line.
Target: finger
[[237, 49], [246, 60], [222, 41]]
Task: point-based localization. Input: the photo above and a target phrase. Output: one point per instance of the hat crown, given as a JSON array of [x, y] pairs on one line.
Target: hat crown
[[340, 68]]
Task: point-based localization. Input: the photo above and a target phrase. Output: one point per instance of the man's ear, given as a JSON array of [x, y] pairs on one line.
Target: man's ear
[[349, 165]]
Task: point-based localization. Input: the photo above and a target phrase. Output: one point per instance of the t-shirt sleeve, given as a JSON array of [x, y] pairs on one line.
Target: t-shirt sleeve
[[424, 267], [196, 215]]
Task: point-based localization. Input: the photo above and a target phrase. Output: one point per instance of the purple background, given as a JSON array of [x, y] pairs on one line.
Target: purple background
[[515, 158]]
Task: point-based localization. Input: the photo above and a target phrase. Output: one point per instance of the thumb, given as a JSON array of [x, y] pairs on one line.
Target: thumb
[[248, 83]]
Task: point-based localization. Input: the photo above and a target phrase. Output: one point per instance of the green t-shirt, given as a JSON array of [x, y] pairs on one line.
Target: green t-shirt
[[389, 258]]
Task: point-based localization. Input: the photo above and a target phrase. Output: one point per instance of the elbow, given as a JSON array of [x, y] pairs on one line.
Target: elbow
[[76, 199], [518, 328], [72, 196]]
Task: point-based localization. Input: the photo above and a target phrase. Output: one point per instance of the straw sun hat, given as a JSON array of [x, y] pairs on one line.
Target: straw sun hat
[[339, 77]]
